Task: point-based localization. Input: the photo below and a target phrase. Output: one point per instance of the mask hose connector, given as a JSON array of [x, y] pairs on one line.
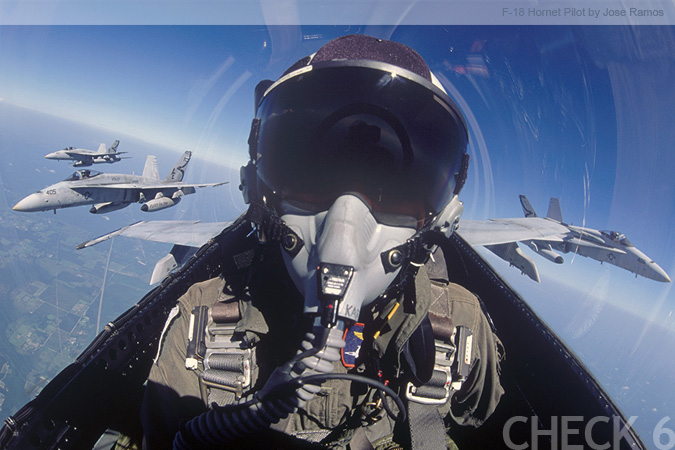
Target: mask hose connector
[[333, 283]]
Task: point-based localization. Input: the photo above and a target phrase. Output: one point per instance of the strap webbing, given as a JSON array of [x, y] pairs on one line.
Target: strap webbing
[[359, 440], [427, 430]]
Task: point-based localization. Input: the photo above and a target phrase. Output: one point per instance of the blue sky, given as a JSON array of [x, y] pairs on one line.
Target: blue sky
[[579, 113], [160, 84]]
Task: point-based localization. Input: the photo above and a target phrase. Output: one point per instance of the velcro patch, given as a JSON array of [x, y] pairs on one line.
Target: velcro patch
[[353, 338]]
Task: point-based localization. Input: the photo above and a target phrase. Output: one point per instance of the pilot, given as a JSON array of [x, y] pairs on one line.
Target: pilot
[[339, 327]]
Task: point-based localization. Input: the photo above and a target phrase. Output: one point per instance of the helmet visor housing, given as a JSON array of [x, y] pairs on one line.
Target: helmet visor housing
[[360, 126]]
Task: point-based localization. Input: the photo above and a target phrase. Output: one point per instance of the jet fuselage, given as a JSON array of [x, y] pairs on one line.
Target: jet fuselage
[[87, 157], [614, 248], [93, 189]]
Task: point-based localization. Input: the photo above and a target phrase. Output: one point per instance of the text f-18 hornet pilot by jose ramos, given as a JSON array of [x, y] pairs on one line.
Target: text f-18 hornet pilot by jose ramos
[[339, 328]]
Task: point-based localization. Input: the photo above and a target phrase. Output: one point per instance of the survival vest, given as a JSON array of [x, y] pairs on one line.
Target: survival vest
[[412, 341]]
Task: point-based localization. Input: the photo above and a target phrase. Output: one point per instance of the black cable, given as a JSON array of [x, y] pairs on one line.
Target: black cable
[[314, 350], [385, 405], [320, 378], [316, 379]]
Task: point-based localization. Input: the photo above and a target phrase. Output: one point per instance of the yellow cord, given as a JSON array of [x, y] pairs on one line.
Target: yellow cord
[[389, 316]]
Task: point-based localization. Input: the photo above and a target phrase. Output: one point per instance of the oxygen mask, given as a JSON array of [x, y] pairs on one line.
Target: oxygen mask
[[339, 268]]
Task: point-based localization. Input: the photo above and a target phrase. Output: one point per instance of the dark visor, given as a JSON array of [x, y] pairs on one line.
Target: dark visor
[[361, 126]]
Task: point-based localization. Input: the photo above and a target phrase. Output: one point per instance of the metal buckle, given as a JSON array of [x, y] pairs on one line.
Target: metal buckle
[[241, 372], [233, 374], [412, 392], [372, 408], [445, 354], [444, 358]]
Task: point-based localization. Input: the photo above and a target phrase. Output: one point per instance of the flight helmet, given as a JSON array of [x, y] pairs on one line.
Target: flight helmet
[[357, 149]]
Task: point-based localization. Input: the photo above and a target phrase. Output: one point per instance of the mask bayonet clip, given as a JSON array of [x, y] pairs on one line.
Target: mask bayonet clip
[[333, 280]]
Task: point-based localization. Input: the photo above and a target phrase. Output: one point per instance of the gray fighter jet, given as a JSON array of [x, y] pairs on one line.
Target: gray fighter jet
[[110, 192], [548, 235], [84, 157]]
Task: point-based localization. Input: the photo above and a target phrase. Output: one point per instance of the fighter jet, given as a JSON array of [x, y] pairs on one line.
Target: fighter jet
[[549, 234], [84, 157], [110, 192]]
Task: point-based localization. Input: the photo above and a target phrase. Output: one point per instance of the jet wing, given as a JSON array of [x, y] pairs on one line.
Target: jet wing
[[186, 235], [189, 233], [504, 231], [141, 186], [185, 185], [501, 236]]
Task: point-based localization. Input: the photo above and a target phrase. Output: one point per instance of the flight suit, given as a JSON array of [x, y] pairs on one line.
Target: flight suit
[[273, 324]]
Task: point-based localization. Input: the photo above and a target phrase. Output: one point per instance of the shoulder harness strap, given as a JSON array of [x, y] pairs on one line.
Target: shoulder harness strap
[[452, 363], [451, 367], [228, 360]]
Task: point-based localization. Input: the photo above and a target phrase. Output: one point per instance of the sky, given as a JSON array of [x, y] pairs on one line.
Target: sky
[[582, 113], [165, 85]]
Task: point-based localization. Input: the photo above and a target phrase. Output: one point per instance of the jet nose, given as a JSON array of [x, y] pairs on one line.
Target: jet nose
[[664, 276], [34, 202], [659, 274], [52, 155]]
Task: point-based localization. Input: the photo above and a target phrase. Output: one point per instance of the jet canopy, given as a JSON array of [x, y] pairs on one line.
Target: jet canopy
[[617, 237], [82, 175]]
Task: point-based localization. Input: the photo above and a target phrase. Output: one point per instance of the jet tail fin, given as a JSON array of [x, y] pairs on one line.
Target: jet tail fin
[[178, 171], [150, 170], [113, 147], [554, 211], [528, 210], [101, 148]]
